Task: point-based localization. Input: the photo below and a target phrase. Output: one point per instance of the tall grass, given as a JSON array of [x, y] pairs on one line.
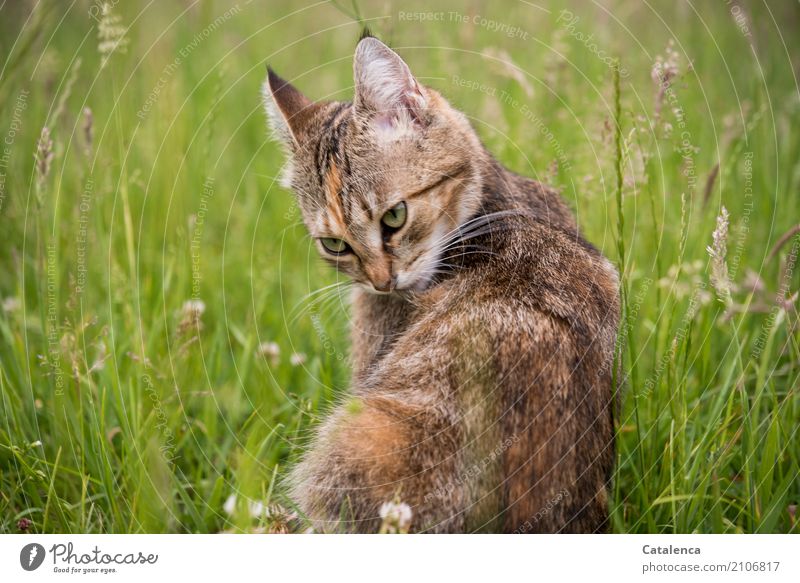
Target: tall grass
[[156, 352]]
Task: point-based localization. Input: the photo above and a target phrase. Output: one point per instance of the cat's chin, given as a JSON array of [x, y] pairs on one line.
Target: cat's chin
[[376, 292], [414, 286]]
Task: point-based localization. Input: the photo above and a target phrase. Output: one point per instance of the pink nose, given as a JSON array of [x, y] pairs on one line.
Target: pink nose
[[386, 285]]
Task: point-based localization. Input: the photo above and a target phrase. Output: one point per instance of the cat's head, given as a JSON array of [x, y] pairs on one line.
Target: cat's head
[[382, 182]]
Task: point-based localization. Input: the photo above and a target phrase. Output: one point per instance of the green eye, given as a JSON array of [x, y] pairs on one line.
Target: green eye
[[335, 246], [395, 217]]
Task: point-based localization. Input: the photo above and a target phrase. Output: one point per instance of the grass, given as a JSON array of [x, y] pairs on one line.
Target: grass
[[149, 263]]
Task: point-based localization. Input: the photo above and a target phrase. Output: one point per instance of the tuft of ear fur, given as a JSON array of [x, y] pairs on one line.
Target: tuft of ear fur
[[366, 33], [386, 91], [287, 109]]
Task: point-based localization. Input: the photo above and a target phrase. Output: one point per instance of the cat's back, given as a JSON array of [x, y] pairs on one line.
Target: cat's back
[[528, 323]]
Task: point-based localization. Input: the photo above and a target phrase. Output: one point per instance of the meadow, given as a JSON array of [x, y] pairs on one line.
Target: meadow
[[163, 353]]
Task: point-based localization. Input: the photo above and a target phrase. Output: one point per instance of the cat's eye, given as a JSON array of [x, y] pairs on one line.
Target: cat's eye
[[335, 246], [395, 217]]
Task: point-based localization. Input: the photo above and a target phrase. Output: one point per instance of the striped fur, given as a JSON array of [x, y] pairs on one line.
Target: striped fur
[[482, 383]]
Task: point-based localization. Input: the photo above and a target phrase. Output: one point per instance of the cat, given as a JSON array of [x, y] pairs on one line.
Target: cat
[[483, 325]]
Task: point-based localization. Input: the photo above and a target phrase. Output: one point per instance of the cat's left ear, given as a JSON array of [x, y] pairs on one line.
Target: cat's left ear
[[288, 110], [386, 91]]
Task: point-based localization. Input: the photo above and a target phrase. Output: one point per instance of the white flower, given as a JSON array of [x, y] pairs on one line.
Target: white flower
[[279, 517], [256, 509], [11, 305], [191, 317], [193, 308], [396, 517], [297, 358], [230, 505], [271, 351]]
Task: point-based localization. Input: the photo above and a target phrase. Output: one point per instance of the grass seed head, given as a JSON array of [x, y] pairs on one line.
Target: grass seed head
[[718, 250], [44, 154], [110, 35]]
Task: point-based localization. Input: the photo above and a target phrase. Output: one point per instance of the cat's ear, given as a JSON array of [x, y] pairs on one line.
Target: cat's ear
[[386, 91], [288, 110]]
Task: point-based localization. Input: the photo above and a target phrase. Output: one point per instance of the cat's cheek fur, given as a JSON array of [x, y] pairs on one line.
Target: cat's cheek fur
[[418, 275]]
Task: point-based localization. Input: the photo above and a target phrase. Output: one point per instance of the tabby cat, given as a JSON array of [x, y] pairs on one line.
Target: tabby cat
[[483, 325]]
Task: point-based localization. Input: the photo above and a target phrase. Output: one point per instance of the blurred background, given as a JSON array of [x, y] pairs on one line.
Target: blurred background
[[163, 355]]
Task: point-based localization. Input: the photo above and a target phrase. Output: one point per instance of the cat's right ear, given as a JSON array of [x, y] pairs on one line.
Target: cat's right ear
[[288, 110], [386, 91]]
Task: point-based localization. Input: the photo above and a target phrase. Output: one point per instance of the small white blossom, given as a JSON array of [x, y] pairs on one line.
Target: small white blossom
[[256, 509], [193, 307], [278, 518], [191, 317], [271, 351], [297, 359], [11, 305], [396, 517], [230, 505]]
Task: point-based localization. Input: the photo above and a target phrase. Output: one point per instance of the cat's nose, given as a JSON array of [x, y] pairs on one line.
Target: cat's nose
[[385, 285]]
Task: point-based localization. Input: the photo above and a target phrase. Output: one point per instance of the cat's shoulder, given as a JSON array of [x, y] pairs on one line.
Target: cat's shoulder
[[539, 270]]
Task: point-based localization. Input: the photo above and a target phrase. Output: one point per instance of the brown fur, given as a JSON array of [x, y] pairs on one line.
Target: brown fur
[[482, 393]]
